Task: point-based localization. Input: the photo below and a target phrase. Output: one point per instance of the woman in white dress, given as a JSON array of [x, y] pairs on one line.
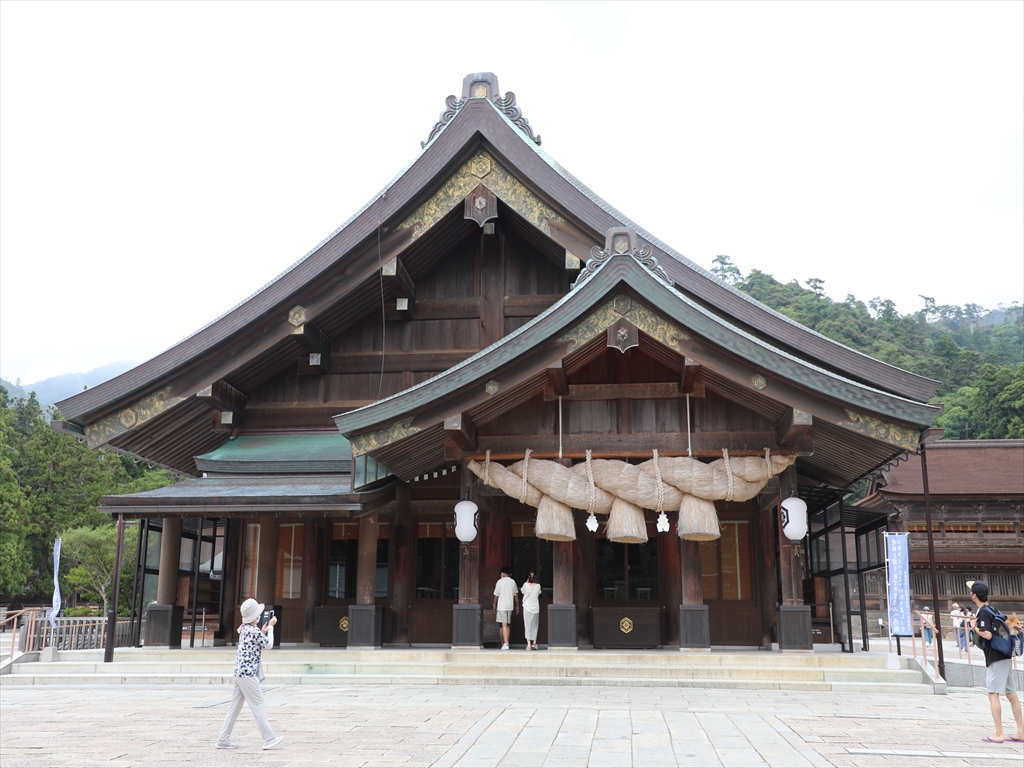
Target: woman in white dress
[[531, 610]]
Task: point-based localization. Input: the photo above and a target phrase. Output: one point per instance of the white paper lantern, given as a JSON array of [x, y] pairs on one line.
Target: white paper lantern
[[465, 521], [794, 518]]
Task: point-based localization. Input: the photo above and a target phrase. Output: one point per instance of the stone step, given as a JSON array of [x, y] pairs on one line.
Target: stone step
[[590, 658], [718, 677], [543, 668], [348, 680]]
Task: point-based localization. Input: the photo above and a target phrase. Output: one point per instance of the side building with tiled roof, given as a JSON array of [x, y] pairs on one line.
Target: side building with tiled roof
[[976, 490]]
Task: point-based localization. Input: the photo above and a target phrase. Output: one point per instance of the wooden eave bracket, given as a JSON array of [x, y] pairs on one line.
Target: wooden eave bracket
[[688, 376], [318, 345], [793, 425], [558, 379], [396, 277], [461, 430], [228, 402]]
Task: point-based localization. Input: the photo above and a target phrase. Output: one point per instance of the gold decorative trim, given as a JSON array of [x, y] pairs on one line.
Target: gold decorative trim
[[149, 407], [906, 438], [606, 316], [626, 626], [482, 167], [371, 441]]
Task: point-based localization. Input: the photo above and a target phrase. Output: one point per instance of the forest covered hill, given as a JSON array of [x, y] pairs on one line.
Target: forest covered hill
[[976, 354]]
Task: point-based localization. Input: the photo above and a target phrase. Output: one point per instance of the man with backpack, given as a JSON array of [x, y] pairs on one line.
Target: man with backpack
[[999, 679]]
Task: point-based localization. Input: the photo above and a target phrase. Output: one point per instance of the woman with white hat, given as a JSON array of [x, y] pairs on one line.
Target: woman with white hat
[[251, 642]]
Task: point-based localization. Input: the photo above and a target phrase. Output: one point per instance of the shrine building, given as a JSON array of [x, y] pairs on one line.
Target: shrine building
[[488, 330]]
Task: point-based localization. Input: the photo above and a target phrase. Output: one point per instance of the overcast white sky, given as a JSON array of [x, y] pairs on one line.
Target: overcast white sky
[[159, 162]]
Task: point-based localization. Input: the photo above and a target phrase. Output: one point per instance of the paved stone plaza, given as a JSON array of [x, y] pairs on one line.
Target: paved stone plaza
[[439, 725]]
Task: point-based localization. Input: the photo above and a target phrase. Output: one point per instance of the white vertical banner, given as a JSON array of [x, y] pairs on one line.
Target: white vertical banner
[[56, 583], [897, 562]]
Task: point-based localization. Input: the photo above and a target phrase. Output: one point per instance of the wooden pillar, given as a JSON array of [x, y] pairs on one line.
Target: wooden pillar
[[366, 571], [562, 556], [467, 614], [791, 560], [794, 625], [492, 288], [764, 552], [266, 561], [170, 555], [583, 581], [670, 581], [469, 554], [312, 572], [694, 618], [401, 574]]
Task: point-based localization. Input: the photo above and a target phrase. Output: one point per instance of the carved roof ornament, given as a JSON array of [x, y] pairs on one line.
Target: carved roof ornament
[[452, 106], [622, 241], [483, 85]]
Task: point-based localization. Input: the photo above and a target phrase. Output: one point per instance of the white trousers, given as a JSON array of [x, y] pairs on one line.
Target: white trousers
[[246, 689], [532, 621]]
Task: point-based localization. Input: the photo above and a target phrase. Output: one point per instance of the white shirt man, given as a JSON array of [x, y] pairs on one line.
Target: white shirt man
[[506, 598]]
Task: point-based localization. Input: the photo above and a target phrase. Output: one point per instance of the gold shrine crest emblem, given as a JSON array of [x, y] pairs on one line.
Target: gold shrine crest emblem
[[626, 626]]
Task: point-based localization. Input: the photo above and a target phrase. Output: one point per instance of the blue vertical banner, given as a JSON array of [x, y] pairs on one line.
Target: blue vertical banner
[[897, 560], [56, 583]]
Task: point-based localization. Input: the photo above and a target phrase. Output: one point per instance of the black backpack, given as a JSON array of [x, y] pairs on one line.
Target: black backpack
[[1005, 640]]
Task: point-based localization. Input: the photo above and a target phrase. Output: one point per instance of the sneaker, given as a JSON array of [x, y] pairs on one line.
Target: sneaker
[[226, 745], [273, 742], [504, 647]]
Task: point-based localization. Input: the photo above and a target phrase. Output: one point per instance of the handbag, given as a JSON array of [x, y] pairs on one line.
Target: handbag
[[259, 672]]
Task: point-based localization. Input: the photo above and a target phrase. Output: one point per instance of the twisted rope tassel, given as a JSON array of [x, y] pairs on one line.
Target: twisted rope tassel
[[526, 475], [728, 472], [593, 488], [487, 467], [661, 488], [768, 461]]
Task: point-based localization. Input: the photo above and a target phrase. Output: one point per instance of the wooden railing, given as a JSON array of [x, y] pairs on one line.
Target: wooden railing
[[920, 622]]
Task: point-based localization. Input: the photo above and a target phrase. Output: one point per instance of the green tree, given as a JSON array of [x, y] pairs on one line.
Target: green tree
[[90, 553], [725, 270]]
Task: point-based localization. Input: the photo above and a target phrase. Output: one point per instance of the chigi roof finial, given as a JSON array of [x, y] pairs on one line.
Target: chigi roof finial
[[483, 85]]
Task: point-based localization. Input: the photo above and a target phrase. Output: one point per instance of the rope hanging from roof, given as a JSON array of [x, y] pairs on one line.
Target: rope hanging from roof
[[623, 490]]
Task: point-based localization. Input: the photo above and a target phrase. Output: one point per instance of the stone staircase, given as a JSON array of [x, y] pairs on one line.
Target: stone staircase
[[751, 670]]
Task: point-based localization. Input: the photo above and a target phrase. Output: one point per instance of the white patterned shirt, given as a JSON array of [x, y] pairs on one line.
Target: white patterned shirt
[[251, 642]]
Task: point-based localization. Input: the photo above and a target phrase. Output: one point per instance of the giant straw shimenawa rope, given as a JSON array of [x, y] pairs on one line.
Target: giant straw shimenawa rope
[[623, 490]]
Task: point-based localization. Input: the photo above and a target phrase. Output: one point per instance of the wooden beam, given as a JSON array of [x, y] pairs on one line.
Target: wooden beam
[[793, 425], [223, 397], [572, 239], [226, 421], [557, 377], [704, 444], [646, 391], [461, 430], [396, 278], [318, 346], [688, 376], [573, 264], [404, 308], [423, 360], [529, 306]]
